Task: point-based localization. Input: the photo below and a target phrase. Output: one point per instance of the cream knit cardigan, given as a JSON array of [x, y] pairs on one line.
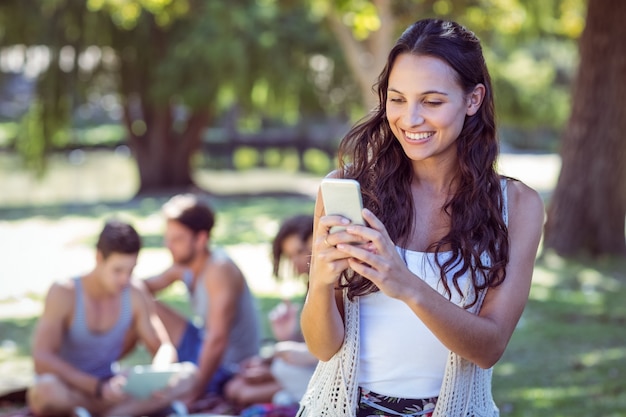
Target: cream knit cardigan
[[465, 391]]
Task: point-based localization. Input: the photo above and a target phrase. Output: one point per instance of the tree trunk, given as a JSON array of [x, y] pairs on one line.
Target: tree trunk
[[366, 59], [586, 214], [161, 144], [163, 155]]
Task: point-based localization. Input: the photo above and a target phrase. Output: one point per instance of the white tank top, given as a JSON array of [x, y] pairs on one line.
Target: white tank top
[[399, 355]]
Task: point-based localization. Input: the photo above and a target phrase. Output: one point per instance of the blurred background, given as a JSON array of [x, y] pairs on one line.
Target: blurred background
[[108, 107]]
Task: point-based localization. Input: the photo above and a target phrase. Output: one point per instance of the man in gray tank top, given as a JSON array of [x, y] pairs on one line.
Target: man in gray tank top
[[91, 321], [227, 330]]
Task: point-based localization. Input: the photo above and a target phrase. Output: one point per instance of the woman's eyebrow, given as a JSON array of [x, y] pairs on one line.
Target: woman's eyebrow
[[393, 90]]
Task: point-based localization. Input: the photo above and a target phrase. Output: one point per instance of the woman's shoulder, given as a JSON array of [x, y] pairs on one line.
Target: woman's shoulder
[[524, 200], [517, 190]]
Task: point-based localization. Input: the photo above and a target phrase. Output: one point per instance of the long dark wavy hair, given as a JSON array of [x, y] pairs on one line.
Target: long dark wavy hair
[[371, 154]]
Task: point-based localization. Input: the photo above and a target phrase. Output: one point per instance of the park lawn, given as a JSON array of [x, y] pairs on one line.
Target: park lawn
[[245, 223], [567, 357]]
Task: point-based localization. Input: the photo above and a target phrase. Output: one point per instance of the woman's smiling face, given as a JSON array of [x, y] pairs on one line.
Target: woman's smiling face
[[426, 106]]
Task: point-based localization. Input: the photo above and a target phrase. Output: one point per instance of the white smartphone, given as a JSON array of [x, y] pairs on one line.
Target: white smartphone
[[343, 197]]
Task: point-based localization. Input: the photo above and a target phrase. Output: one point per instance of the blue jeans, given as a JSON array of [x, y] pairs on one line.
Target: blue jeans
[[189, 351]]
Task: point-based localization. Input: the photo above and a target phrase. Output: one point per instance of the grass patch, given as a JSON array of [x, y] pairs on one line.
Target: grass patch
[[568, 356], [16, 334], [566, 359], [241, 221], [104, 135]]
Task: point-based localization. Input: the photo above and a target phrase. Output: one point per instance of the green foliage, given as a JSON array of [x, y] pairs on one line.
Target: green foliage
[[359, 15], [37, 132], [272, 58], [187, 55], [8, 131], [314, 160], [127, 13], [219, 54], [530, 47], [317, 162], [531, 50], [532, 87], [245, 158], [107, 134], [283, 159]]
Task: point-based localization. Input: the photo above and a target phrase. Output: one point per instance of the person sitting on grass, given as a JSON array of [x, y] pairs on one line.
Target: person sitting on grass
[[282, 377], [224, 330], [87, 324]]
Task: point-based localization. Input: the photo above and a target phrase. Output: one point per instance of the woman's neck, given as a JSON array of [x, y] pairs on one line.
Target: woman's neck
[[435, 176]]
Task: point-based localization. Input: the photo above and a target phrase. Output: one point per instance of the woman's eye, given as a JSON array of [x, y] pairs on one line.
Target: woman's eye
[[433, 103], [396, 100]]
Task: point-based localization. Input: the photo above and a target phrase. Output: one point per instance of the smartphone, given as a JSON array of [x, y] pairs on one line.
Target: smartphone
[[343, 197]]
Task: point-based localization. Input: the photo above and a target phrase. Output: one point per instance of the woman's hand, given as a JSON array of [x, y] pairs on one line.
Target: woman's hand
[[327, 263], [322, 314], [284, 320], [377, 258]]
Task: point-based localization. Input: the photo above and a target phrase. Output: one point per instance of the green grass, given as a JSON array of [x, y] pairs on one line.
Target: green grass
[[567, 357], [242, 221]]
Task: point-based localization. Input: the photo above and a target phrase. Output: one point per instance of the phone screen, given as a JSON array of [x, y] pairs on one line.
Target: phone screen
[[342, 197]]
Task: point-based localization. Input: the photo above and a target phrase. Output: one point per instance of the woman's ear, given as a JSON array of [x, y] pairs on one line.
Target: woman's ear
[[475, 99]]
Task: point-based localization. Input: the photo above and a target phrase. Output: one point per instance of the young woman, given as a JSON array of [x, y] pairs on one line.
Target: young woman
[[410, 321]]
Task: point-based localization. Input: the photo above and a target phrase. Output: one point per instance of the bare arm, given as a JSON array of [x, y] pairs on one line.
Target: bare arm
[[284, 321], [159, 282], [482, 338], [150, 329], [48, 336], [224, 283], [322, 313]]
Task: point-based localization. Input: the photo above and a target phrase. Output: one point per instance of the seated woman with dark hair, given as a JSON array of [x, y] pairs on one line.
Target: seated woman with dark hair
[[282, 377]]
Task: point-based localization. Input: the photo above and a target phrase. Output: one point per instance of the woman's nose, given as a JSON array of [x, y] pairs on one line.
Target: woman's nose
[[414, 116]]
